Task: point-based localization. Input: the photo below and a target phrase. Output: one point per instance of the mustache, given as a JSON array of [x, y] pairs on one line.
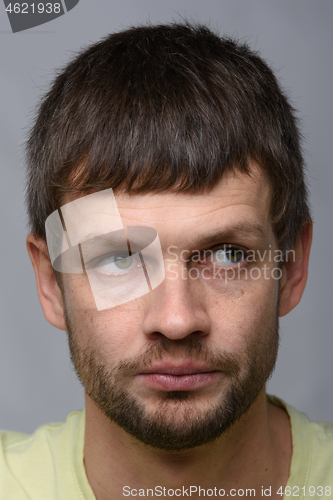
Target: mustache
[[192, 349]]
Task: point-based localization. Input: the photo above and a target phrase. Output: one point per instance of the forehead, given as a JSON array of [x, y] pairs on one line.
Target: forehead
[[237, 199]]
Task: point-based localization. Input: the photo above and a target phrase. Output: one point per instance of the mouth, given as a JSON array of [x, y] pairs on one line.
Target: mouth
[[168, 376]]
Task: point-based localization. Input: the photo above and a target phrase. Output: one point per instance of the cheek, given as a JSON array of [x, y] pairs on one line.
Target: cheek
[[241, 312], [77, 294], [116, 332], [113, 332]]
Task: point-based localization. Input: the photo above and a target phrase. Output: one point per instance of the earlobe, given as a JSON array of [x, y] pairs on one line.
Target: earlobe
[[48, 289], [295, 271]]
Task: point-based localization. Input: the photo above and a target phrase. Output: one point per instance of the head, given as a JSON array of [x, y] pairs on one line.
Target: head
[[197, 140]]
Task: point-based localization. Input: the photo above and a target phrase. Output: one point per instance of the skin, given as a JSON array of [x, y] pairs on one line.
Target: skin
[[224, 317]]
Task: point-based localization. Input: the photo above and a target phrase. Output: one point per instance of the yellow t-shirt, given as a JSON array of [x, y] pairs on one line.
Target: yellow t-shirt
[[311, 471], [48, 465]]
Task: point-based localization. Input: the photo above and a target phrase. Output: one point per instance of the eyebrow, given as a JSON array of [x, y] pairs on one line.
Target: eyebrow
[[244, 229]]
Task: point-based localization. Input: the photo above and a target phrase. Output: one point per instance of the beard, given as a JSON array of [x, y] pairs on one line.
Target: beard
[[176, 423]]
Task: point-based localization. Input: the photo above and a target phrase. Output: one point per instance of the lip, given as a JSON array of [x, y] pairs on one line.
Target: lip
[[168, 376]]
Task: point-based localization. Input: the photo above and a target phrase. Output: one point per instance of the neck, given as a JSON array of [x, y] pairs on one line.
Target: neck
[[254, 453]]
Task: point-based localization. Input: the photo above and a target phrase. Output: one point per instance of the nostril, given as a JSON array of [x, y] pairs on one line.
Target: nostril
[[156, 336]]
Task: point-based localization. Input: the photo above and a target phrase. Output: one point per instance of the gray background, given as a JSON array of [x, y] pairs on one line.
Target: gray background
[[37, 383]]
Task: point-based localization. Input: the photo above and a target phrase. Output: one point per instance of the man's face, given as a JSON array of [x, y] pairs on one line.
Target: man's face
[[178, 366]]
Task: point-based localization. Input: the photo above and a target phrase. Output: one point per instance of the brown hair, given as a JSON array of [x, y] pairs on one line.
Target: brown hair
[[168, 107]]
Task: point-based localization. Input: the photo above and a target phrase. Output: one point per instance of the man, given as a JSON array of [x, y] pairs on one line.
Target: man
[[170, 230]]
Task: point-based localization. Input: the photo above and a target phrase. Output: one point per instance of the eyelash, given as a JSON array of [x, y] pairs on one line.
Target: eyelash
[[226, 249], [96, 264]]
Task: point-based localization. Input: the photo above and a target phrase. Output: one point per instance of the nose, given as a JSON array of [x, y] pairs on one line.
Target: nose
[[176, 309]]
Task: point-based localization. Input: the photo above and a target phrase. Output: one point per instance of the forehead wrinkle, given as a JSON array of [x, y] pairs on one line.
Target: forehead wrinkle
[[192, 207], [193, 213]]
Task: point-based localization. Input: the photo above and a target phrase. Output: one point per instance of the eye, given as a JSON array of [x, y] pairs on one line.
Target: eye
[[123, 262], [227, 256], [116, 263]]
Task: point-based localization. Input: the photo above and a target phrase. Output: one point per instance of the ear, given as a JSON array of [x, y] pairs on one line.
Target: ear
[[295, 271], [48, 289]]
